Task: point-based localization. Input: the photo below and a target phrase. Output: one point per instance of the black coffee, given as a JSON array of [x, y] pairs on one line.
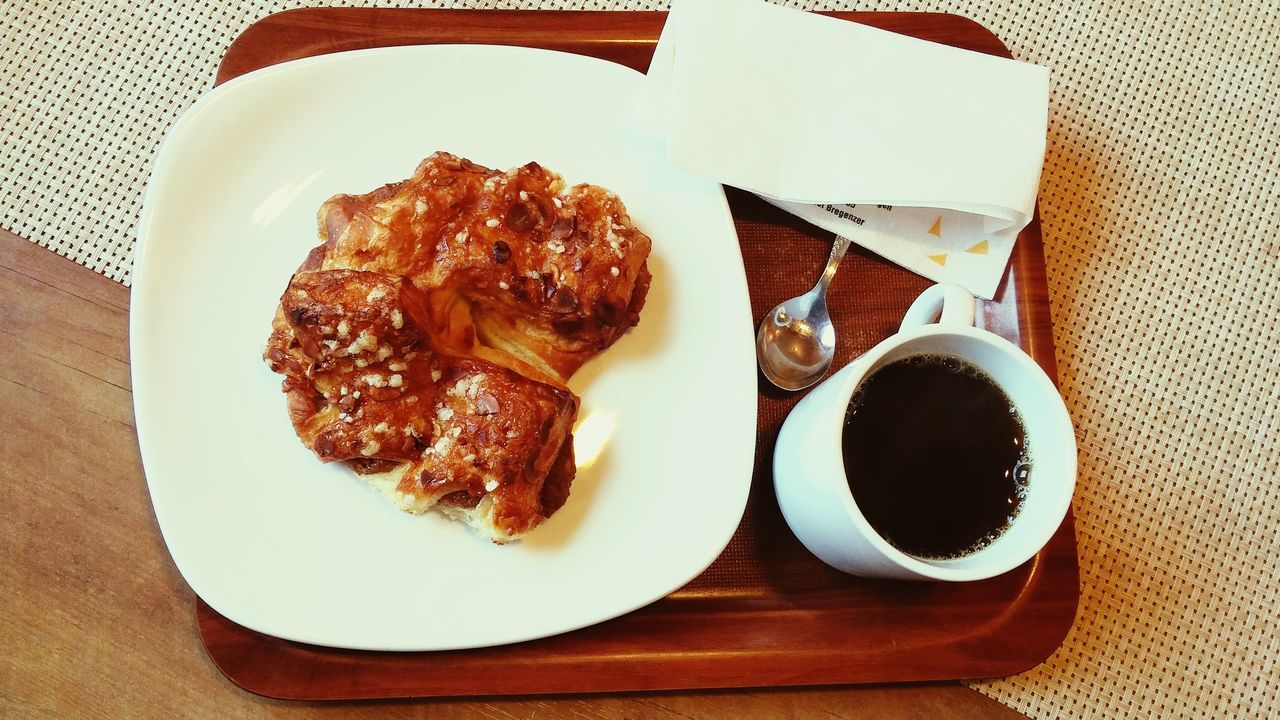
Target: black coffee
[[936, 456]]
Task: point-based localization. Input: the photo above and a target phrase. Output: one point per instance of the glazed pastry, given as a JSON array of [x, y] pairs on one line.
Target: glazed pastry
[[546, 275], [427, 341]]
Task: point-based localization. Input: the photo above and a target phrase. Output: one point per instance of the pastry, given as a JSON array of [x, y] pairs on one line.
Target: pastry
[[428, 340]]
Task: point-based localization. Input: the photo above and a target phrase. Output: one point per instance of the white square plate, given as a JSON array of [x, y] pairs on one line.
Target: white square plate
[[282, 544]]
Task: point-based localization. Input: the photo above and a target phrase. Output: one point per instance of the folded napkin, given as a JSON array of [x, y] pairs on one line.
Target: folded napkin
[[925, 154]]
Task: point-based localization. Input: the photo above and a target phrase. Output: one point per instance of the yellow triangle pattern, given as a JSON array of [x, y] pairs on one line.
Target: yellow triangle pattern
[[979, 249], [936, 230], [940, 258]]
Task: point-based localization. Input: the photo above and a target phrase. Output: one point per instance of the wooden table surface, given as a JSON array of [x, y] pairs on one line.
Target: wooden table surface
[[95, 620]]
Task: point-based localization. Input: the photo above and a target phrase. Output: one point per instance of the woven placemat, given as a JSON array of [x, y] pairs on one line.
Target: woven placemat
[[1159, 202]]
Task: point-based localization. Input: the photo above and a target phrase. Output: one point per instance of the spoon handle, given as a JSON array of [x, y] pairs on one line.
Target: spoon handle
[[837, 254]]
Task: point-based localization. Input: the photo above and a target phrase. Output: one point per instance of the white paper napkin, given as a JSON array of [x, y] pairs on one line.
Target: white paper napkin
[[926, 154]]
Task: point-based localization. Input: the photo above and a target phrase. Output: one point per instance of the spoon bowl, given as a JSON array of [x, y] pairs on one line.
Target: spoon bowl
[[797, 341]]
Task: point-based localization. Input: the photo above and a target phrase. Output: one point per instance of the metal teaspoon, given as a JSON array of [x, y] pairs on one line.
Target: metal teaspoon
[[796, 341]]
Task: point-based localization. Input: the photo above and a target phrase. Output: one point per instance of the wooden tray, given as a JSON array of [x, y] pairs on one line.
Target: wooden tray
[[766, 612]]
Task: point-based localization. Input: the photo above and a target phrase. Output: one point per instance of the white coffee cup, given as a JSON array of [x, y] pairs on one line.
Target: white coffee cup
[[808, 464]]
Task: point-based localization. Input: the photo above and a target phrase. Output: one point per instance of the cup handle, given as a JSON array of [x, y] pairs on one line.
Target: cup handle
[[942, 303]]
